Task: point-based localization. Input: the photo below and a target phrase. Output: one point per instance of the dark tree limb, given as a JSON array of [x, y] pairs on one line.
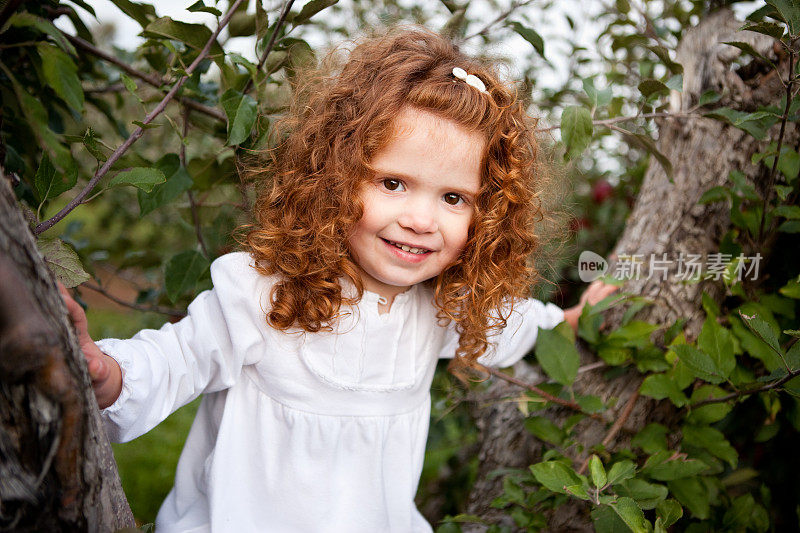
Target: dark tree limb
[[57, 471]]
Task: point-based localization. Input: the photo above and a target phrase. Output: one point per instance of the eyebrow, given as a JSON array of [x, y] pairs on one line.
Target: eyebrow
[[402, 176]]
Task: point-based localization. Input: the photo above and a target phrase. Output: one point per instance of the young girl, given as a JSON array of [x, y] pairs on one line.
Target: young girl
[[394, 228]]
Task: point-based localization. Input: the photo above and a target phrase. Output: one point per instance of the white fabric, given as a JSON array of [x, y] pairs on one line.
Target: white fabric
[[296, 433]]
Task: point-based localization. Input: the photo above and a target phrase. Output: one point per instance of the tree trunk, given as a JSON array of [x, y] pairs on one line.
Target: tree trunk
[[665, 220], [57, 471]]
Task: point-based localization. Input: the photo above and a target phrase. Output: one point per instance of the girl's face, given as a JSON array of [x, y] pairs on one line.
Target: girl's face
[[418, 206]]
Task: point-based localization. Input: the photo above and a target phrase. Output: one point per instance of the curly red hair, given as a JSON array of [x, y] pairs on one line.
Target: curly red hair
[[308, 203]]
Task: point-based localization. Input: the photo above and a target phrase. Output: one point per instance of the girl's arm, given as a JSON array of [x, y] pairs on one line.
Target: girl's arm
[[162, 370], [104, 370], [595, 292], [519, 336]]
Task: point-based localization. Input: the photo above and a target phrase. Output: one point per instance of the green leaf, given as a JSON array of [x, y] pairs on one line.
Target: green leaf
[[756, 124], [791, 289], [701, 365], [576, 129], [545, 430], [666, 466], [663, 55], [182, 273], [513, 491], [646, 494], [737, 517], [194, 35], [140, 177], [177, 182], [621, 471], [748, 49], [708, 97], [557, 354], [130, 85], [762, 330], [712, 440], [200, 6], [309, 10], [692, 493], [649, 87], [61, 75], [787, 211], [62, 261], [49, 182], [631, 514], [708, 414], [241, 111], [597, 97], [790, 11], [555, 475], [27, 20], [715, 194], [141, 13], [599, 477], [529, 35], [790, 226], [660, 386], [716, 341], [767, 28], [646, 143], [651, 439], [669, 511], [89, 140], [605, 520]]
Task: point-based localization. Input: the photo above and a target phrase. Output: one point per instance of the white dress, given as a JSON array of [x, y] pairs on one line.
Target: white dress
[[296, 433]]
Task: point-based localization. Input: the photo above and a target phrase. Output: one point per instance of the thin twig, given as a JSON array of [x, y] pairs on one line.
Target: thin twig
[[738, 394], [611, 121], [271, 43], [649, 27], [618, 425], [150, 79], [773, 172], [192, 203], [501, 17], [533, 388], [139, 307], [140, 130]]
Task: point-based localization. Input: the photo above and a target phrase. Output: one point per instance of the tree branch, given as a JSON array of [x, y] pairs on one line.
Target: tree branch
[[271, 43], [547, 396], [618, 425], [738, 394], [138, 307], [501, 17], [611, 121], [774, 171], [140, 130], [150, 79]]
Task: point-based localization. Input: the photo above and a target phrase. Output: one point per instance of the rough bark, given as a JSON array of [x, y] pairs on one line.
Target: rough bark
[[57, 470], [665, 219]]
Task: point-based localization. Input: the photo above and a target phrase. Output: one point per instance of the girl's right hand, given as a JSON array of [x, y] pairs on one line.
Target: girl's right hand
[[103, 369]]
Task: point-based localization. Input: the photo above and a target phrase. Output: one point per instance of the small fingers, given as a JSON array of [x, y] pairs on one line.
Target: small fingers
[[98, 370]]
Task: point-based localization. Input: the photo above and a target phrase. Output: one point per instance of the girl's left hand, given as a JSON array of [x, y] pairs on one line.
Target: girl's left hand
[[595, 292]]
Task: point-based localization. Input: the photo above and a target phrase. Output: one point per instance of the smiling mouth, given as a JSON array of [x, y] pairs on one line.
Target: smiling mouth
[[406, 248]]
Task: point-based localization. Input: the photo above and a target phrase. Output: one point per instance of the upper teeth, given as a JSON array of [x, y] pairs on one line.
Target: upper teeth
[[409, 248]]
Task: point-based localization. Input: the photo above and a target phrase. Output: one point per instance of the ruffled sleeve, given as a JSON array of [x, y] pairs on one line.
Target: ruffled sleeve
[[165, 369], [518, 337]]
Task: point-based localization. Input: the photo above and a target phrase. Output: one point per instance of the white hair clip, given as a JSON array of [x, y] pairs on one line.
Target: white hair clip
[[469, 79]]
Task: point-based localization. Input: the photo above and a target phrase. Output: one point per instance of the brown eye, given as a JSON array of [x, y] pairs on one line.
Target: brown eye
[[452, 198], [392, 184]]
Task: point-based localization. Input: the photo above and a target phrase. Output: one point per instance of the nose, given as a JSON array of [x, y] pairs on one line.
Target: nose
[[419, 216]]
